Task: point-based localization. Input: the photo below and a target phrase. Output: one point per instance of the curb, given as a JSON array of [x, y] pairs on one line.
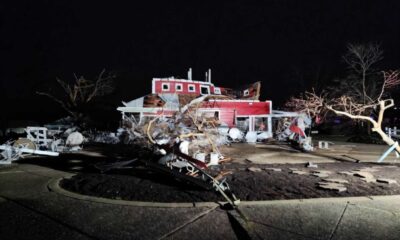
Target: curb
[[54, 186]]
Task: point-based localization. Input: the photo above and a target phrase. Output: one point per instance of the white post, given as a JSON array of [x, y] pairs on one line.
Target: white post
[[206, 77], [190, 74], [209, 75], [270, 126], [251, 124]]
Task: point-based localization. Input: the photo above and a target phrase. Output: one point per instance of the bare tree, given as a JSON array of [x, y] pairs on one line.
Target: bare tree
[[81, 92], [360, 58], [309, 103]]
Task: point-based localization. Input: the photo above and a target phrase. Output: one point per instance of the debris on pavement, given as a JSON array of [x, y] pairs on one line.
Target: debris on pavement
[[335, 180], [254, 169], [386, 180], [365, 176], [332, 186], [311, 165], [298, 172], [321, 173], [346, 173], [273, 169]]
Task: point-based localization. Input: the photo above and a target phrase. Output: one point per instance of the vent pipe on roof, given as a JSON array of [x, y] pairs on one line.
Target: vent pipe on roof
[[190, 74], [206, 77], [209, 75]]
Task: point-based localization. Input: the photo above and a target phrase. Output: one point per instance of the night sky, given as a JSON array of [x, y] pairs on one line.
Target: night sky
[[287, 45]]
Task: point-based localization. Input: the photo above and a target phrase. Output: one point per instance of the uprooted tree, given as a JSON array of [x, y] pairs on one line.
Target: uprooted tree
[[76, 95], [353, 107]]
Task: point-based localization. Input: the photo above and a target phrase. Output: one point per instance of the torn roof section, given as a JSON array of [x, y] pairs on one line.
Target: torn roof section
[[198, 88], [170, 95], [231, 107]]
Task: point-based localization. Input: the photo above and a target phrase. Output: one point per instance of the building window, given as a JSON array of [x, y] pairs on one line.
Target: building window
[[243, 123], [217, 90], [205, 90], [178, 87], [165, 87], [192, 88], [246, 93], [261, 124]]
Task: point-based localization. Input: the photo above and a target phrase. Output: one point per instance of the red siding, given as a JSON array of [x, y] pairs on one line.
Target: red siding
[[228, 110], [241, 107], [227, 116]]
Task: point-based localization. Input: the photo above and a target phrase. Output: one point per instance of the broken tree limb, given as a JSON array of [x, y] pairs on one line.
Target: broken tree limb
[[191, 135], [175, 150], [148, 130], [376, 125]]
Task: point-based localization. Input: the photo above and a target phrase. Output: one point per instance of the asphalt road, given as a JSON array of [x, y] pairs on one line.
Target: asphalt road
[[29, 210]]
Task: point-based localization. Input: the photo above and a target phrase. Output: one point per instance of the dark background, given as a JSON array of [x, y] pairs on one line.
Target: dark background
[[289, 46]]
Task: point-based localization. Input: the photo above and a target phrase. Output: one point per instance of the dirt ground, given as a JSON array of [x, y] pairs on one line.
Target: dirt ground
[[142, 184]]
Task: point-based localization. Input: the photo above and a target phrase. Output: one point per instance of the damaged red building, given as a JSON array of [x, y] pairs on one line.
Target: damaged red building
[[239, 108]]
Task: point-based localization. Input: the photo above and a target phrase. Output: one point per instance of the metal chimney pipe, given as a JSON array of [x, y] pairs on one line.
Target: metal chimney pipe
[[190, 74]]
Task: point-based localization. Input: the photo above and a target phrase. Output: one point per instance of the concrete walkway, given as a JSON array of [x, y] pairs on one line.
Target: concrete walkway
[[284, 154], [29, 210]]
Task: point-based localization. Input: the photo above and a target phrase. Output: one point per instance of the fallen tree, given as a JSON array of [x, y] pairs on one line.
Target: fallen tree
[[370, 109]]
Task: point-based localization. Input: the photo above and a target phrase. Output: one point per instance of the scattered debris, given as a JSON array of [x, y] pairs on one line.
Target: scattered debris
[[311, 165], [324, 144], [365, 176], [254, 169], [335, 180], [332, 186], [321, 175], [273, 169], [346, 173], [298, 172], [13, 151], [367, 169], [248, 160], [199, 117], [386, 180], [323, 171], [41, 141], [292, 128]]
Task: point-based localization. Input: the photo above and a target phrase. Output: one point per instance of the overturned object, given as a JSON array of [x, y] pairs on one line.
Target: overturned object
[[182, 165], [74, 139], [39, 141], [13, 151], [293, 126]]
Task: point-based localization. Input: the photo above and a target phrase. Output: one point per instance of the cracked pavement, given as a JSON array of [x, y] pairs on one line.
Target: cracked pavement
[[29, 210]]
